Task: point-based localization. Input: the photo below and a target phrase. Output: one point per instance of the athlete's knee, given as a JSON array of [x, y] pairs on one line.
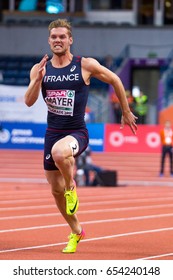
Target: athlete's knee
[[57, 188], [58, 153], [54, 178], [56, 192]]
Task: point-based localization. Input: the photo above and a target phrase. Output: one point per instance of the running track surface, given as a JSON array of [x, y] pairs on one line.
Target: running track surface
[[121, 223]]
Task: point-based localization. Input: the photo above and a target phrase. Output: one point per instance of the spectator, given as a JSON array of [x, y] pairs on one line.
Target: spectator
[[89, 115], [116, 108], [85, 166], [141, 107], [166, 136], [130, 100]]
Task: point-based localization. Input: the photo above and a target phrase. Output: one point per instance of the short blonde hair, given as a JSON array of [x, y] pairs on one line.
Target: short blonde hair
[[61, 23]]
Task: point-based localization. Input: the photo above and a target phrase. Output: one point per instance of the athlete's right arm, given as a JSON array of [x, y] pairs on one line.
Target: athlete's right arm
[[36, 75]]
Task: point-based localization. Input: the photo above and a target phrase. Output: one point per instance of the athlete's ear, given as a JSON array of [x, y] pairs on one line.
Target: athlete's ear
[[48, 40], [71, 40]]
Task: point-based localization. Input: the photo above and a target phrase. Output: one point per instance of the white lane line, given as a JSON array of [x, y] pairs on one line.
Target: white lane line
[[157, 256], [49, 197], [148, 183], [89, 211], [90, 239], [27, 200], [121, 182], [90, 222], [23, 180], [90, 203], [47, 206]]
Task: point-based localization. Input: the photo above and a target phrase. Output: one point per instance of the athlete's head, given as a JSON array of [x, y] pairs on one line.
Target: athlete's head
[[61, 23], [60, 36]]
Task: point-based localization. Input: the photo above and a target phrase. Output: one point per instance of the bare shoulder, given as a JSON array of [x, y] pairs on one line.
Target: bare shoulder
[[90, 64], [94, 69]]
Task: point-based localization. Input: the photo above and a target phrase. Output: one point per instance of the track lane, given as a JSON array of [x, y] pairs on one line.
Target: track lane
[[121, 223]]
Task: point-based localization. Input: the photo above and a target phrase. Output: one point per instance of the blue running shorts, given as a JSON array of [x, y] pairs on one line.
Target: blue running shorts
[[53, 135]]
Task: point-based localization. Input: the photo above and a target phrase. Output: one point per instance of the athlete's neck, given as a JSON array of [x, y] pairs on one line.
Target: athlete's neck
[[61, 60]]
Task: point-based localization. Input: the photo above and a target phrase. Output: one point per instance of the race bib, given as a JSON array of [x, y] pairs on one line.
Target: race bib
[[60, 102]]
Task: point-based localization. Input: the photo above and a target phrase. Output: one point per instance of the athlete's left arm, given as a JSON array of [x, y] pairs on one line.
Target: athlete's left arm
[[102, 73]]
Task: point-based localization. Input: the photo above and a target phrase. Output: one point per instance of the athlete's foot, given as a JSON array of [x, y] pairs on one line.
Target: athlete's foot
[[73, 242]]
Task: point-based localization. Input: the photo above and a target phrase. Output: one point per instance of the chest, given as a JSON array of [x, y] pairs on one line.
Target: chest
[[63, 78]]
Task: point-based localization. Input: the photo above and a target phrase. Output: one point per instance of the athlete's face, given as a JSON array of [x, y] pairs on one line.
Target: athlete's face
[[59, 40]]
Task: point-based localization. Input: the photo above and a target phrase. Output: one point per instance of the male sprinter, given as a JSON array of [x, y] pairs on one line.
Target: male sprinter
[[64, 81]]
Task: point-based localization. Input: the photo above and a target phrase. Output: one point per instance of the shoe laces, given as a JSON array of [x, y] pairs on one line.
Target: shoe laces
[[69, 196], [72, 240]]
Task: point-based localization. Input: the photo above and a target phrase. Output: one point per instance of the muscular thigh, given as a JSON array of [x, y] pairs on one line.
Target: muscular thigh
[[67, 146], [67, 140], [53, 141]]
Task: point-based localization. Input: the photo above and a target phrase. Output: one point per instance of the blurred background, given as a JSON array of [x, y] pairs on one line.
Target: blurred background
[[133, 38]]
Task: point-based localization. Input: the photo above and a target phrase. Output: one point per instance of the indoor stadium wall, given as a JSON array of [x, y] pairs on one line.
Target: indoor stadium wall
[[32, 40]]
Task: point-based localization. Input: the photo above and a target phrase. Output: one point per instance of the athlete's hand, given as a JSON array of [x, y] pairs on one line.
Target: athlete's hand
[[41, 67], [129, 119]]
